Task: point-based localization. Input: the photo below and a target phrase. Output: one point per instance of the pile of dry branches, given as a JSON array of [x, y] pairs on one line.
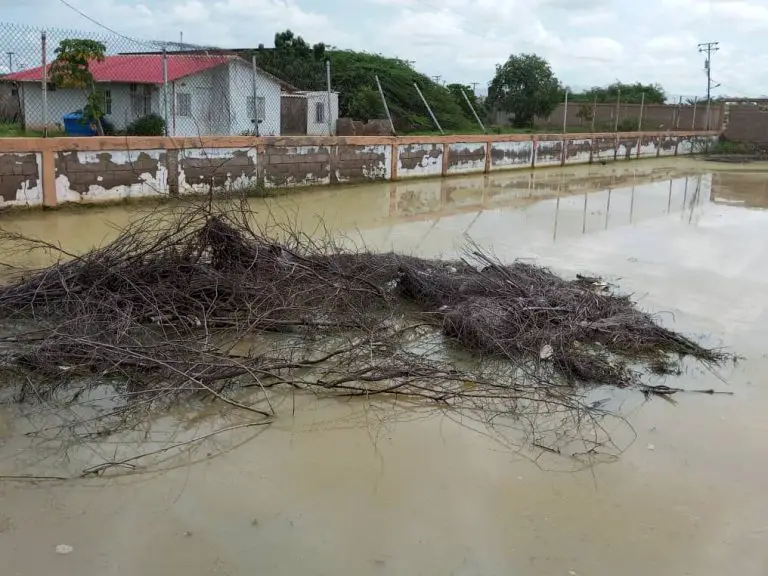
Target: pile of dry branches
[[201, 301]]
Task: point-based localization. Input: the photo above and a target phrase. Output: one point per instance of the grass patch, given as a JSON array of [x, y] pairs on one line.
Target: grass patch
[[15, 131]]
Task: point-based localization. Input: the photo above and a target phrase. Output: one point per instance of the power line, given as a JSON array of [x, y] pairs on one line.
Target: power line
[[99, 24]]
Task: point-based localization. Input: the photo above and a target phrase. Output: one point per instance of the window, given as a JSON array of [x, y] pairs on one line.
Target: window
[[183, 104], [319, 112], [141, 99], [50, 87], [106, 100], [260, 112]]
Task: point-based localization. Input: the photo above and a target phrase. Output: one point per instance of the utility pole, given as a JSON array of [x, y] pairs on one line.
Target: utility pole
[[474, 86], [708, 48], [10, 60], [436, 79]]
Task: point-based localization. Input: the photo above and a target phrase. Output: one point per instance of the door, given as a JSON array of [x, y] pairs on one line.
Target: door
[[293, 116], [202, 104]]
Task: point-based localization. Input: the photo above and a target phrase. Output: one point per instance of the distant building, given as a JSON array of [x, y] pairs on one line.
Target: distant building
[[205, 95]]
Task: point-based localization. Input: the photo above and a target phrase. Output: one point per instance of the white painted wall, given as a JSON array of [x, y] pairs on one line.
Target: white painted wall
[[315, 128], [63, 101], [241, 89], [220, 102]]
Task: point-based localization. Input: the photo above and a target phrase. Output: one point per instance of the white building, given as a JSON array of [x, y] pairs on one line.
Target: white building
[[198, 94]]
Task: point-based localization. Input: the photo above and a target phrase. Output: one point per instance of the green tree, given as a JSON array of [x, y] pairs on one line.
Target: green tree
[[71, 69], [526, 87], [456, 90], [629, 93], [365, 104], [296, 62]]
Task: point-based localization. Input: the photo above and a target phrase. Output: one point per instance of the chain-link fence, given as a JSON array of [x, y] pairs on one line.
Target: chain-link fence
[[628, 114], [56, 82]]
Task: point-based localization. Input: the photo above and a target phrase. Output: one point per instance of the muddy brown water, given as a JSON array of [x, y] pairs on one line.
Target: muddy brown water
[[356, 488]]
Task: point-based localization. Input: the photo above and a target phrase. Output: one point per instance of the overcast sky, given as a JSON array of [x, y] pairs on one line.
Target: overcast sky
[[588, 42]]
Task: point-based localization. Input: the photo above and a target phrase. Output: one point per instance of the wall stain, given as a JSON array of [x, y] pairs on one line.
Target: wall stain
[[105, 172], [629, 146], [465, 155], [520, 154], [215, 170], [17, 172], [289, 166], [668, 143], [411, 158], [358, 163], [549, 152], [578, 147]]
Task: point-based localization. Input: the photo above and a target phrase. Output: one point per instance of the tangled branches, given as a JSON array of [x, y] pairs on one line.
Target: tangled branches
[[203, 302]]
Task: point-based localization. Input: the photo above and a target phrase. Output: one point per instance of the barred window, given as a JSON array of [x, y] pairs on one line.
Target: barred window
[[319, 112], [260, 112], [183, 104]]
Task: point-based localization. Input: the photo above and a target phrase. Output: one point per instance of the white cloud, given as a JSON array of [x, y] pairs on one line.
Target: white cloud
[[588, 42]]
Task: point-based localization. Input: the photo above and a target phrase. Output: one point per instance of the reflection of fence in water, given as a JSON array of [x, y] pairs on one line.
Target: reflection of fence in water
[[572, 205]]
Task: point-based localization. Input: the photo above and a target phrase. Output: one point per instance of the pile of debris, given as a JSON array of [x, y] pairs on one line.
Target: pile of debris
[[203, 302]]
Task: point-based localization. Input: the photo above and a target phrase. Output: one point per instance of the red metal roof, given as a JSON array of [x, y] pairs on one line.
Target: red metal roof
[[138, 68]]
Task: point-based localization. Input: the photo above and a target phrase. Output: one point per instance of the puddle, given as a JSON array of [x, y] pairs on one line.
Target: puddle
[[375, 488]]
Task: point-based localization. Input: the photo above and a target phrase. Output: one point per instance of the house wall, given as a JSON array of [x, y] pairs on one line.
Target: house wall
[[241, 88], [61, 170], [220, 102], [67, 100], [315, 128]]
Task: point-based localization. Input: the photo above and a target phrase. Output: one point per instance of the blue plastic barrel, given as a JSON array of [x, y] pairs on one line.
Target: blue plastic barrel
[[75, 126]]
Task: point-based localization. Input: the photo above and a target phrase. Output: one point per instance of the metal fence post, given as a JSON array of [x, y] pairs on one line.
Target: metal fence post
[[428, 108], [43, 47], [165, 88], [640, 120], [466, 99], [328, 81], [565, 114], [594, 114], [618, 111], [254, 72], [679, 109], [693, 120], [384, 102]]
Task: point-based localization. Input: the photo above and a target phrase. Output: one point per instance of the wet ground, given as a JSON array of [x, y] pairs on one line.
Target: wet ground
[[372, 488]]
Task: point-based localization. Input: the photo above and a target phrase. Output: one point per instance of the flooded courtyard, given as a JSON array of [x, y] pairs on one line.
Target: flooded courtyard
[[373, 487]]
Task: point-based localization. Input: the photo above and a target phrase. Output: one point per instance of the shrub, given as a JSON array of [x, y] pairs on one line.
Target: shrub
[[108, 127], [149, 125], [628, 125]]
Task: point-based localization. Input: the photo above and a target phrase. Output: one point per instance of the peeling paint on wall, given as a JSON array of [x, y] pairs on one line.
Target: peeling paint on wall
[[603, 149], [20, 183], [667, 145], [419, 160], [578, 151], [684, 145], [511, 154], [290, 166], [626, 149], [363, 163], [110, 175], [201, 169], [648, 146], [549, 153], [466, 158]]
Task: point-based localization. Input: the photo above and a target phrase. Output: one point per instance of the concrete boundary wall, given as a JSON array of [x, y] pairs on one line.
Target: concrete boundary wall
[[48, 172]]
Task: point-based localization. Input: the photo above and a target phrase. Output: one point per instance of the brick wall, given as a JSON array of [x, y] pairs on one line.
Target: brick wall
[[20, 179], [747, 123]]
